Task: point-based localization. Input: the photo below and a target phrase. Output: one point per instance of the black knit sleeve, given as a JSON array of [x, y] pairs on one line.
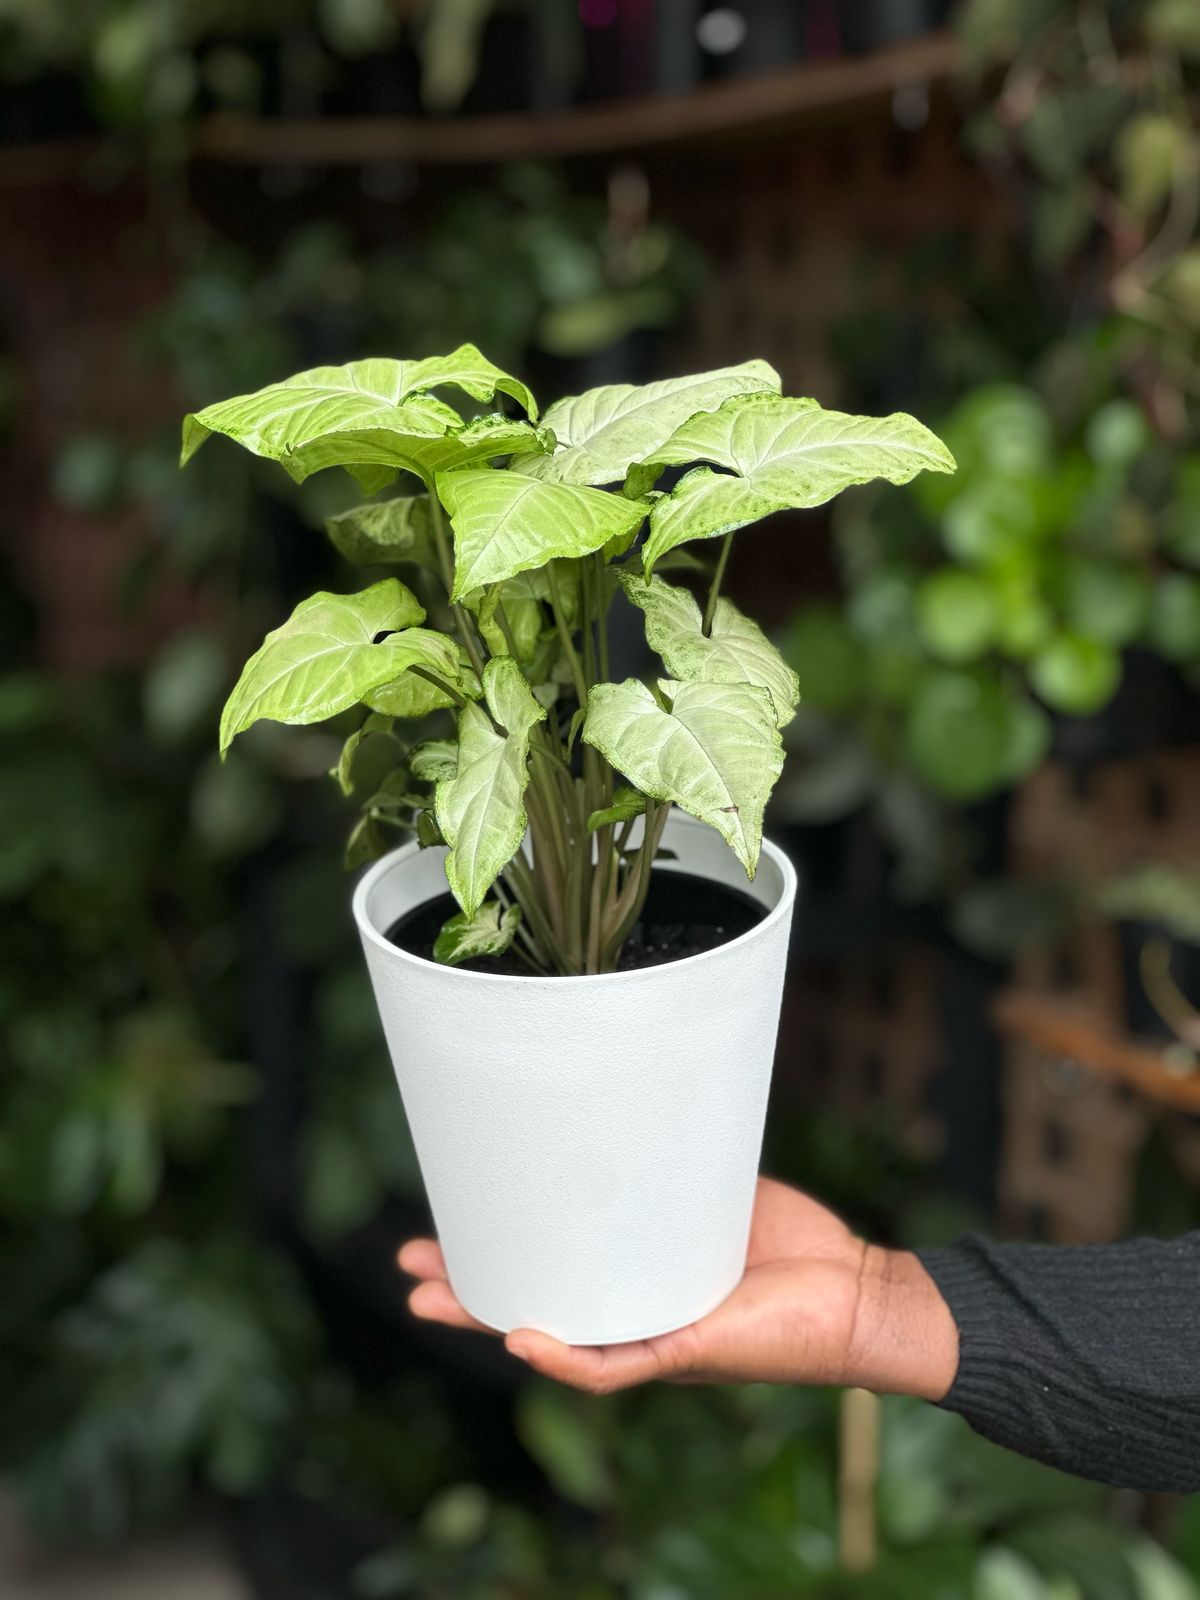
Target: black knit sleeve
[[1084, 1356]]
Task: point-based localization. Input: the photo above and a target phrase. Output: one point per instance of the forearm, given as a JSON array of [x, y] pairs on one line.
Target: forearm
[[1084, 1357]]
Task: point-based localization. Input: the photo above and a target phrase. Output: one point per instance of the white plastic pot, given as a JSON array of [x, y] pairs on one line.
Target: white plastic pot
[[589, 1145]]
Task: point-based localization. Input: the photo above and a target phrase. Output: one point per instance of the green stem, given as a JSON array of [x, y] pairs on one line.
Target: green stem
[[505, 629], [564, 634], [602, 616], [632, 900], [462, 622], [440, 683], [603, 839], [714, 593], [590, 600], [525, 891], [528, 950]]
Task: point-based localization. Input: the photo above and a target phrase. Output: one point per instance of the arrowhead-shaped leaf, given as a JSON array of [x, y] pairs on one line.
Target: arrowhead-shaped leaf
[[323, 659], [488, 933], [505, 523], [716, 753], [626, 804], [384, 531], [365, 414], [737, 651], [785, 454], [481, 809], [602, 432]]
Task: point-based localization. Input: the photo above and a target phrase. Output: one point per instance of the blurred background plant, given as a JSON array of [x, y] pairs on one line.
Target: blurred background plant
[[981, 613], [203, 1162]]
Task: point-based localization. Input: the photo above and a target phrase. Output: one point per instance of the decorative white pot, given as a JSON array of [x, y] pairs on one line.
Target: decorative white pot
[[589, 1145]]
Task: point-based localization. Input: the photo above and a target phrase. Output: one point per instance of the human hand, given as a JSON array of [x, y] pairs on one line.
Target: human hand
[[815, 1306]]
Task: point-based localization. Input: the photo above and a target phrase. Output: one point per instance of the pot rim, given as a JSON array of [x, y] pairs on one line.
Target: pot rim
[[405, 852]]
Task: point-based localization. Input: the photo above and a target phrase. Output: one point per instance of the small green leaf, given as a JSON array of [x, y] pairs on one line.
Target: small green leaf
[[324, 659], [1105, 600], [1002, 1575], [566, 1437], [365, 413], [782, 454], [434, 760], [367, 842], [392, 800], [343, 772], [601, 433], [488, 933], [481, 809], [576, 724], [1075, 674], [384, 531], [829, 660], [716, 753], [505, 523], [957, 614], [521, 598], [428, 832], [1175, 617], [737, 651], [1117, 433], [966, 735], [627, 803], [1151, 149]]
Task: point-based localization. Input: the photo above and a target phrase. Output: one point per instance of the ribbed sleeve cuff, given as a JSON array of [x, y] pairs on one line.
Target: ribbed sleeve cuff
[[1084, 1357], [984, 1383]]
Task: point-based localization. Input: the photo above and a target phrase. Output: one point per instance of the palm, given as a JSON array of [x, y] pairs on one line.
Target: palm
[[790, 1318]]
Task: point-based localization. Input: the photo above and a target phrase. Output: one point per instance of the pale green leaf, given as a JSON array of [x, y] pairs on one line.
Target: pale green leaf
[[367, 414], [324, 659], [737, 651], [505, 523], [299, 421], [601, 433], [716, 753], [488, 933], [626, 804], [783, 454], [433, 760], [481, 809], [384, 531]]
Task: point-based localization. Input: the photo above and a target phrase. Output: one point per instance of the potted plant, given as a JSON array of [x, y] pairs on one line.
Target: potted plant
[[1156, 911], [579, 956]]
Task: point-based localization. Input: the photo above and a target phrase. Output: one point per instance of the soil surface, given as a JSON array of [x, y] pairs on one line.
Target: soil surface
[[684, 916]]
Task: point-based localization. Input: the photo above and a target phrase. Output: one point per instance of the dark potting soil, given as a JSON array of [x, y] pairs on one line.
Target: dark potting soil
[[684, 916]]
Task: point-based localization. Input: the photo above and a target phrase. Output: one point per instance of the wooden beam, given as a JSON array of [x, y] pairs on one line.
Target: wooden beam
[[743, 105], [1062, 1027], [763, 104]]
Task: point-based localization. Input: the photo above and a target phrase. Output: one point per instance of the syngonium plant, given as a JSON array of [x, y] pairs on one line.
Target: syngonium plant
[[553, 796]]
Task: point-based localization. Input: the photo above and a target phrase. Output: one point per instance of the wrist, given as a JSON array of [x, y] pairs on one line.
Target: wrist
[[905, 1340]]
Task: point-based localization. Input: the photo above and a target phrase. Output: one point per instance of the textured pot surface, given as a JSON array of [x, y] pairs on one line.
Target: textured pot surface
[[589, 1145]]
